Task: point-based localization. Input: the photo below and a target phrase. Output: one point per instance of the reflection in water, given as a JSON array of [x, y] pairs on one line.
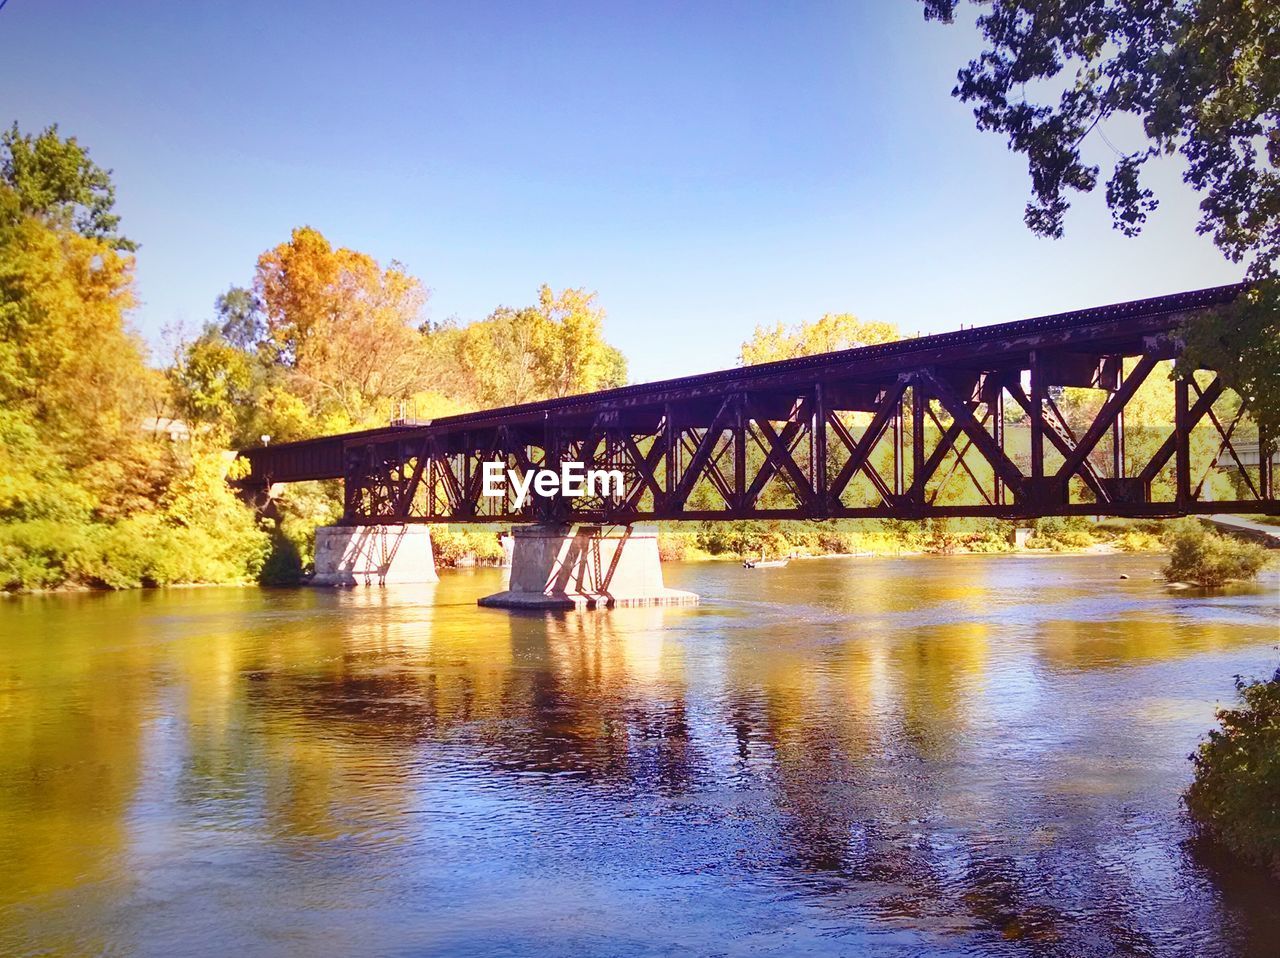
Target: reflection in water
[[907, 756]]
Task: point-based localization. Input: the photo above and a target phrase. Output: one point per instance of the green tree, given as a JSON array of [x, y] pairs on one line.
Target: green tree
[[54, 179], [86, 496], [213, 381], [240, 319], [1235, 797], [1202, 78], [1241, 342]]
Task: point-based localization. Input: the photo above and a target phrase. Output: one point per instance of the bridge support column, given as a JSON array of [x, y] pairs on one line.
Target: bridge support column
[[374, 555], [556, 567]]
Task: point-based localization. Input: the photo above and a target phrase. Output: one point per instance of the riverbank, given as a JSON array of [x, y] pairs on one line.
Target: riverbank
[[480, 546]]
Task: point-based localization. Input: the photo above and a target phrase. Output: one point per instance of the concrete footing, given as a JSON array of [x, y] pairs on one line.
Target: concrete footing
[[373, 555], [556, 567]]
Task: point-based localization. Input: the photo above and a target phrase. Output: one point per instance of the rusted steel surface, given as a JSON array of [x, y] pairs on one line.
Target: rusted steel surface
[[878, 431]]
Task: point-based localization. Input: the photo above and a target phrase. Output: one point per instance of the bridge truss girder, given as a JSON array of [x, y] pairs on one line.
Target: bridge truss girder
[[928, 441]]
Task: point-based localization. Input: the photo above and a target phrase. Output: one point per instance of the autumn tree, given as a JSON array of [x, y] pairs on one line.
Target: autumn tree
[[553, 348], [343, 324], [574, 356], [833, 331], [68, 361], [86, 495], [500, 356], [213, 382]]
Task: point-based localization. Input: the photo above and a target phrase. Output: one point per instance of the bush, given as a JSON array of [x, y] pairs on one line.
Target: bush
[[1235, 797], [460, 545], [42, 553], [1208, 559], [300, 509], [202, 534], [992, 535], [1138, 540], [674, 546], [1061, 532]]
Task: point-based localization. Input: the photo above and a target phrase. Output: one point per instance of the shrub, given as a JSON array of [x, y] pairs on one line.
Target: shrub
[[674, 546], [42, 553], [285, 564], [1235, 797], [1208, 559], [1061, 532], [456, 545], [992, 535], [940, 537], [1138, 540]]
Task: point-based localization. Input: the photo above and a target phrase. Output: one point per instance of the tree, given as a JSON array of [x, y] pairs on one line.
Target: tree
[[343, 324], [834, 331], [240, 319], [500, 355], [573, 356], [54, 179], [554, 348], [1202, 77], [67, 356], [86, 496], [1241, 342], [212, 380]]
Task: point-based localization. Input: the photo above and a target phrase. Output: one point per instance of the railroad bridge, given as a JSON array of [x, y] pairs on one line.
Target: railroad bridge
[[965, 423]]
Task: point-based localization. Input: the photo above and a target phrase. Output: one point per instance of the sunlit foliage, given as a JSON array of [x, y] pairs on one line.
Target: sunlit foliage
[[1235, 798], [1200, 557], [555, 347], [834, 331], [86, 496], [345, 326]]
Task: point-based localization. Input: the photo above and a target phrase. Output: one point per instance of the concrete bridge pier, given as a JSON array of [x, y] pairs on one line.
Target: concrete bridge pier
[[374, 555], [560, 567]]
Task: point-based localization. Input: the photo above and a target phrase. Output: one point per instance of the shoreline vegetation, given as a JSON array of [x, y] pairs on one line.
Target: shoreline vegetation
[[1234, 799], [1187, 543]]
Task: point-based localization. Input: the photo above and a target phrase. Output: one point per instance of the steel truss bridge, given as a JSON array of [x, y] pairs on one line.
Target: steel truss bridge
[[965, 423]]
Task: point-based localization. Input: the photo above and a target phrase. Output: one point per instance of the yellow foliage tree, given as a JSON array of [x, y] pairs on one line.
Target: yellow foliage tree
[[555, 348], [834, 331]]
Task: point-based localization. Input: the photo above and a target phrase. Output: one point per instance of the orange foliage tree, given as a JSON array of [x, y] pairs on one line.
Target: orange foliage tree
[[343, 324]]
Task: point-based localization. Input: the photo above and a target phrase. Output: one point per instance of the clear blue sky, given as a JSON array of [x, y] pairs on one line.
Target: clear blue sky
[[705, 167]]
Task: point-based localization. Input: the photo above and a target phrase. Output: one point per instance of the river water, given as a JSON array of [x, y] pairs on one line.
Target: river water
[[906, 756]]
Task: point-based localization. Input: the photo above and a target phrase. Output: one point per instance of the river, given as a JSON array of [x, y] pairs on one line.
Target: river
[[912, 756]]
